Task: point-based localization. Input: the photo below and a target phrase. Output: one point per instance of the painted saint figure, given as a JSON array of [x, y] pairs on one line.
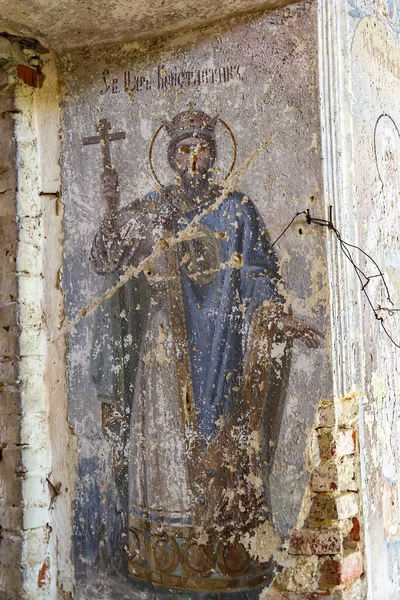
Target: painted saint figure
[[191, 394]]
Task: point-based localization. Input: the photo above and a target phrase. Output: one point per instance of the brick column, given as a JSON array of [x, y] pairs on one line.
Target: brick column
[[327, 551], [11, 472]]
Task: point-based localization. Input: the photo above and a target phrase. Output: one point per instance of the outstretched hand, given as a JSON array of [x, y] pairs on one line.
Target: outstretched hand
[[299, 329], [273, 315]]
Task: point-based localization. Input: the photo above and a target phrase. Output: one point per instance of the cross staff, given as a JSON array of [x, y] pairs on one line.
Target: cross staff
[[104, 138]]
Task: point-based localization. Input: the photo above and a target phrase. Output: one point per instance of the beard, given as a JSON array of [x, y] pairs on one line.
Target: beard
[[195, 184]]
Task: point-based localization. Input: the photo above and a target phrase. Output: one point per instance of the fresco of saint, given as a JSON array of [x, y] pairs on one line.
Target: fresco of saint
[[192, 393]]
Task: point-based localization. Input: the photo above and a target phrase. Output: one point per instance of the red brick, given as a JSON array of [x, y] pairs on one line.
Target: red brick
[[355, 533], [341, 571], [333, 444], [316, 541], [28, 75]]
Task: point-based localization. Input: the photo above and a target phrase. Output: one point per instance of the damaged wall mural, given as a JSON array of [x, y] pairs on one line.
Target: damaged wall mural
[[194, 375]]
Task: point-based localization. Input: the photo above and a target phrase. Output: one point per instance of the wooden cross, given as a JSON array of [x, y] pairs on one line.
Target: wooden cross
[[104, 138]]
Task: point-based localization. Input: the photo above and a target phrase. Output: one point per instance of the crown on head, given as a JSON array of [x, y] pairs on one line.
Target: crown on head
[[191, 123]]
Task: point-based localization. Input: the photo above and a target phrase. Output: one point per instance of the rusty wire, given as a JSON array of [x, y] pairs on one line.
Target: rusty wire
[[364, 279]]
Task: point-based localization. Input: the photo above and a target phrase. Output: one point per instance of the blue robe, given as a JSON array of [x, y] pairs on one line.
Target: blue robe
[[218, 314], [225, 275]]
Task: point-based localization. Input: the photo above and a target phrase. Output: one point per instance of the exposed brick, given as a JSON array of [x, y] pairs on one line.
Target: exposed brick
[[347, 412], [340, 506], [348, 474], [341, 571], [303, 595], [345, 443], [325, 414], [8, 372], [29, 76], [10, 549], [8, 314], [8, 341], [347, 505], [325, 443], [354, 536], [353, 591], [300, 575], [11, 577], [10, 403], [335, 475], [334, 444], [323, 507], [10, 428], [325, 478], [317, 541]]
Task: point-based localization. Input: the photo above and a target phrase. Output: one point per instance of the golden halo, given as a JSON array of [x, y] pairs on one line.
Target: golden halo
[[156, 135]]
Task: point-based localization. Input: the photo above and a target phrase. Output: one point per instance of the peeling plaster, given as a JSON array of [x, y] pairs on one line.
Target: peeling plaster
[[47, 444], [40, 313], [93, 88]]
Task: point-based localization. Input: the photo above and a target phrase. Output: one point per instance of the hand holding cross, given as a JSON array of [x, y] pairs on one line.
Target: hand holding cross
[[109, 177]]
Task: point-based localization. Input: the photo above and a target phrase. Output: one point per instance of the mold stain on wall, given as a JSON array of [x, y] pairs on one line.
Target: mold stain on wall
[[193, 383]]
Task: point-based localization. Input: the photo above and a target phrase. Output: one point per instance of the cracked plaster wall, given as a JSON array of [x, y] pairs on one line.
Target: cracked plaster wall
[[37, 443], [294, 116], [376, 121], [10, 453]]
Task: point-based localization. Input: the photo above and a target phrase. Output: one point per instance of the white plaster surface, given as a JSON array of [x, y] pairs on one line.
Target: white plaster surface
[[45, 435], [376, 91]]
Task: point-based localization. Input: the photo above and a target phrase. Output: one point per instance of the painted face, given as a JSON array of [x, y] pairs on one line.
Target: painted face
[[193, 158]]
